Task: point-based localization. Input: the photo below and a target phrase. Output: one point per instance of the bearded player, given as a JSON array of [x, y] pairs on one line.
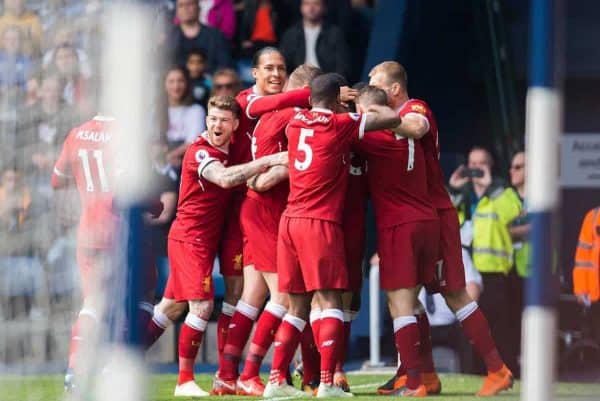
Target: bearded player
[[265, 95], [261, 211]]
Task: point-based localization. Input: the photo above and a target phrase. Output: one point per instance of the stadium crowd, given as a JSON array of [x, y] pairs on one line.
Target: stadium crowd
[[49, 85]]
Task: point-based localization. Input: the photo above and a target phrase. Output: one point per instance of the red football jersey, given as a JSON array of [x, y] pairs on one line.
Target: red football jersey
[[201, 206], [86, 158], [269, 138], [431, 148], [252, 107], [397, 179], [357, 192], [319, 151]]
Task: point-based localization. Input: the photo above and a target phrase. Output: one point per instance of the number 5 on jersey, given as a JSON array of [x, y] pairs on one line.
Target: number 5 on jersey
[[305, 148]]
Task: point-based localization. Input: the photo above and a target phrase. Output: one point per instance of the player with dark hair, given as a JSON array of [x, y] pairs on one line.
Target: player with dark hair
[[260, 215], [419, 123], [310, 249]]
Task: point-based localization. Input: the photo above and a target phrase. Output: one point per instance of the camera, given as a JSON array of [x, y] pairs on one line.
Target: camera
[[472, 173]]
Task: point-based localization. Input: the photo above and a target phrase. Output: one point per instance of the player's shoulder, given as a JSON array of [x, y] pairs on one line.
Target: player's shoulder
[[245, 96], [416, 106]]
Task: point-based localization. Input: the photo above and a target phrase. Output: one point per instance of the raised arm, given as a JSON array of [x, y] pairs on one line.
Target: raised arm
[[381, 117], [229, 177], [264, 104], [267, 180]]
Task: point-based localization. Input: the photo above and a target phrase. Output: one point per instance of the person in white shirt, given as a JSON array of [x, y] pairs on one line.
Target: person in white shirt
[[185, 120]]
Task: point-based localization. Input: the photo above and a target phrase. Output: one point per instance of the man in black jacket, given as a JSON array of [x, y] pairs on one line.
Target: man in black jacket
[[312, 41], [191, 34]]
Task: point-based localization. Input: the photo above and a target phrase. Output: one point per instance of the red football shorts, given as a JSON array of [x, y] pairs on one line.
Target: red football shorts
[[310, 255], [450, 273], [230, 252], [354, 244], [191, 266], [260, 226], [408, 253], [95, 267]]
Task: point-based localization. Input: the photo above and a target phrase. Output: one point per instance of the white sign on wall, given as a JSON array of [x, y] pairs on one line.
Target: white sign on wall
[[580, 161]]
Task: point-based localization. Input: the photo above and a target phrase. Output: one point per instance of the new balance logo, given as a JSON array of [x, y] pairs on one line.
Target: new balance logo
[[232, 325], [276, 343], [327, 343]]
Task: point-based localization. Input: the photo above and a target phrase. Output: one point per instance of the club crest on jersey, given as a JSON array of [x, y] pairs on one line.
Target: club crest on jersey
[[419, 108], [354, 116], [201, 155]]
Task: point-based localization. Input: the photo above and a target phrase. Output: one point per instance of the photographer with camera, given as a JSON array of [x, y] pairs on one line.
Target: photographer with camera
[[486, 209]]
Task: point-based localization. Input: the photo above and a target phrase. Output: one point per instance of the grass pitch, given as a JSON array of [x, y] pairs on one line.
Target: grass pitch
[[454, 387]]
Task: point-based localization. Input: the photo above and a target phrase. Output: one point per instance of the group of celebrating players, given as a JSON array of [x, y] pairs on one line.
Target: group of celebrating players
[[282, 176]]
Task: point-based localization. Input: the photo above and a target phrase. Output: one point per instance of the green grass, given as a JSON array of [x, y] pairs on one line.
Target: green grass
[[455, 388]]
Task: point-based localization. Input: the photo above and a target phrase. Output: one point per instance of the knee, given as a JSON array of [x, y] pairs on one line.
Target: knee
[[172, 310], [202, 309], [233, 289], [457, 299]]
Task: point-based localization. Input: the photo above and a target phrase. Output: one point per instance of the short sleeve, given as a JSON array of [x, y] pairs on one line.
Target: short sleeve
[[351, 126], [418, 110], [203, 158]]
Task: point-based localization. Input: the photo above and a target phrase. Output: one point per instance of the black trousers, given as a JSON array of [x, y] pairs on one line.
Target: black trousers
[[497, 302]]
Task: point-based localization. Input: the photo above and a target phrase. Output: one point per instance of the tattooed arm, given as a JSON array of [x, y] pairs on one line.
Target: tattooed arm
[[267, 180], [228, 177]]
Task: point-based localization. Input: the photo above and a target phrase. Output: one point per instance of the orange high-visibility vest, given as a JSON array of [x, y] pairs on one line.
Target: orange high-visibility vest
[[586, 273]]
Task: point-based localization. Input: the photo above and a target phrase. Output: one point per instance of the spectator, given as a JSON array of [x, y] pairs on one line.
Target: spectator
[[65, 63], [191, 34], [28, 23], [165, 180], [45, 124], [258, 28], [520, 227], [219, 14], [200, 82], [586, 272], [65, 35], [226, 82], [185, 120], [15, 66], [313, 41], [489, 207], [15, 200]]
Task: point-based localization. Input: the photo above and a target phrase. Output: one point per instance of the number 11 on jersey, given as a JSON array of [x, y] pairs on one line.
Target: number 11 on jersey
[[87, 171]]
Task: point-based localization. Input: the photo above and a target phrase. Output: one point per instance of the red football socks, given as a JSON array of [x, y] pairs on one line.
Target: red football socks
[[426, 351], [285, 344], [266, 327], [330, 340], [155, 328], [190, 338], [406, 333], [477, 330], [345, 340], [311, 359], [223, 327], [240, 327]]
